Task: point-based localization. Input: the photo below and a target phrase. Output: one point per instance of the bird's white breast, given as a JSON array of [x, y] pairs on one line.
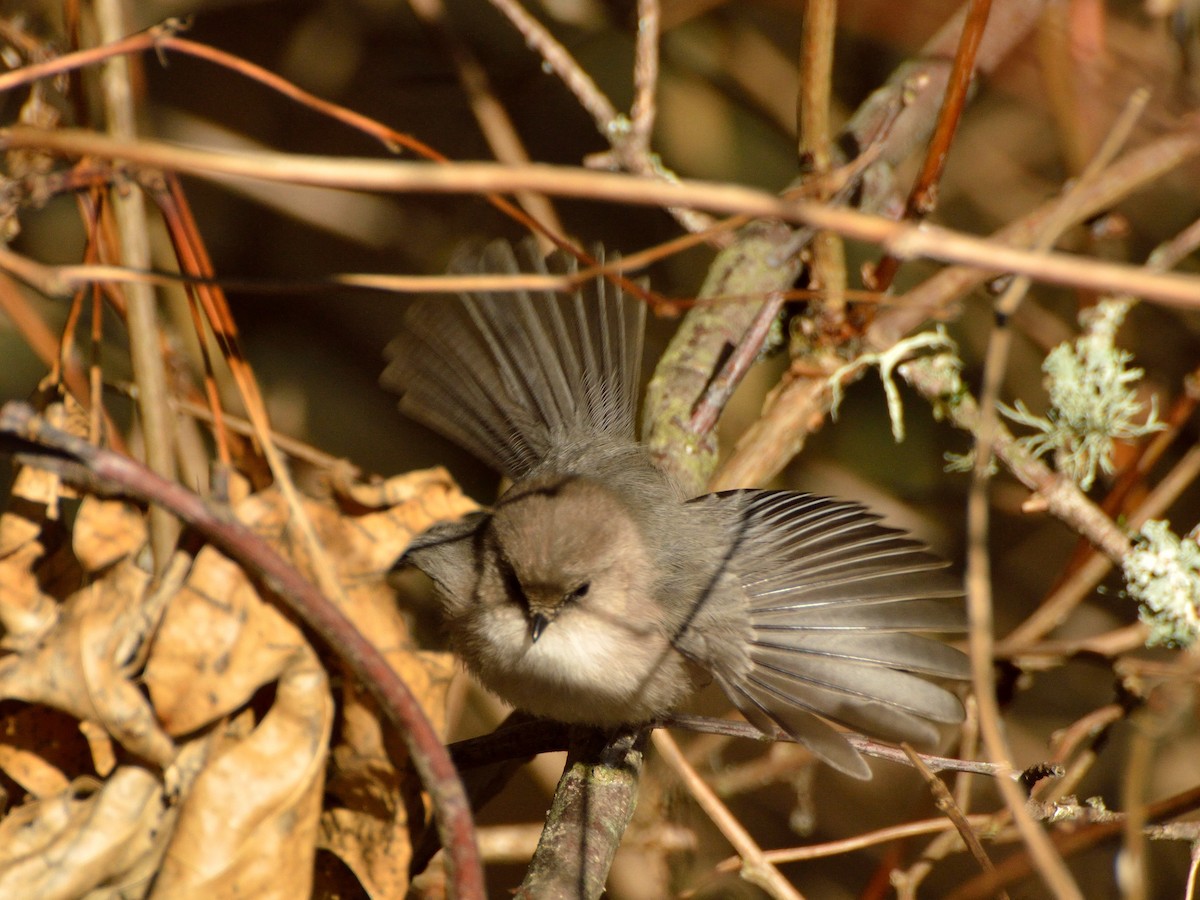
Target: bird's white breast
[[583, 668]]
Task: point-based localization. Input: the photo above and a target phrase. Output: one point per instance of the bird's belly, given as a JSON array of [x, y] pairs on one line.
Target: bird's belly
[[581, 670]]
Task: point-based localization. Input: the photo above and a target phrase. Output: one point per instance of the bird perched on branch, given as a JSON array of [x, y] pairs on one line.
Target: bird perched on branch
[[594, 592]]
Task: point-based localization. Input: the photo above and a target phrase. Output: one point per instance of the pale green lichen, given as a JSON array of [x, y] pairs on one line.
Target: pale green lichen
[[964, 463], [887, 361], [1092, 399], [1162, 573]]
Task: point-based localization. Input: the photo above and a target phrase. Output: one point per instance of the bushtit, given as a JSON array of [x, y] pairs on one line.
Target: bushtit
[[594, 592]]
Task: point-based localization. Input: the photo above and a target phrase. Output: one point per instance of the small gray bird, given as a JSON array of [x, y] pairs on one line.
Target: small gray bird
[[595, 592]]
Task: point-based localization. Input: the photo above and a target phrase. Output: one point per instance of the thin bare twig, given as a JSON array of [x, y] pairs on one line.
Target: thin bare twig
[[981, 636], [815, 98], [470, 178], [1126, 175], [755, 867], [946, 803], [800, 401], [922, 199], [193, 258], [721, 388], [645, 77], [1076, 840], [616, 128], [164, 37], [63, 281], [569, 72], [490, 114], [751, 266], [1054, 611], [38, 337], [862, 841], [981, 639], [141, 312]]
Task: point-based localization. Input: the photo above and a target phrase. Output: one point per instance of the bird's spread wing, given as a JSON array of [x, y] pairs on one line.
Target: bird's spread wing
[[508, 375], [838, 605]]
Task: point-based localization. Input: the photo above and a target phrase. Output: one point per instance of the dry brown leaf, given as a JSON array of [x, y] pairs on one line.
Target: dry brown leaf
[[104, 758], [375, 848], [366, 823], [219, 641], [26, 612], [30, 767], [82, 839], [77, 667], [432, 488], [363, 548], [371, 606], [34, 500], [41, 749], [33, 773], [217, 644], [405, 505], [106, 531], [249, 815], [248, 826]]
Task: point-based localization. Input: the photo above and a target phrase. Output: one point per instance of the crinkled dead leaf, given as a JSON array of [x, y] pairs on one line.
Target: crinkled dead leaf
[[218, 643], [375, 848], [249, 823], [249, 811], [81, 839], [366, 820], [76, 668], [37, 746], [106, 531], [363, 548], [363, 545], [419, 498], [34, 500], [31, 771], [26, 612], [104, 757]]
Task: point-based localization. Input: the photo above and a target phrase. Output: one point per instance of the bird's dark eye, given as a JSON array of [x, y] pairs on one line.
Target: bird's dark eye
[[580, 591]]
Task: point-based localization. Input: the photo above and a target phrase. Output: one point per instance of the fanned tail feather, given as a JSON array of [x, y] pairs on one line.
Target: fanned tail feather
[[507, 374]]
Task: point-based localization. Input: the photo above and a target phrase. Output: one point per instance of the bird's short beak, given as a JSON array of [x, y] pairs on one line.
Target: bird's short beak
[[537, 624]]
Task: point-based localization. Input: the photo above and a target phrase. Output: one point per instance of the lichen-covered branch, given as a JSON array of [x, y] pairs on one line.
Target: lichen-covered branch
[[592, 806]]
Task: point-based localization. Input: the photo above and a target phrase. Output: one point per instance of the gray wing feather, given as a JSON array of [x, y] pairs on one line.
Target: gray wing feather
[[910, 616], [448, 555], [509, 375], [835, 604]]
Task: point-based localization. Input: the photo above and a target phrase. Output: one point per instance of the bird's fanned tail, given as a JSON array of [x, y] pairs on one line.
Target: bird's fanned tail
[[837, 604], [507, 375]]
